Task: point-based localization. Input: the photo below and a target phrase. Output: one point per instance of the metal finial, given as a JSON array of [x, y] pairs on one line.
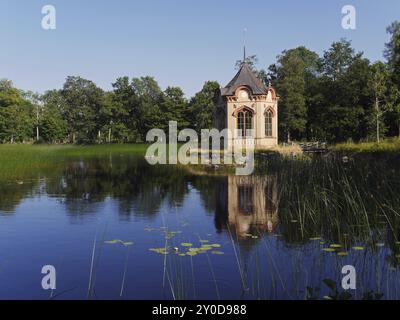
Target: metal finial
[[244, 44]]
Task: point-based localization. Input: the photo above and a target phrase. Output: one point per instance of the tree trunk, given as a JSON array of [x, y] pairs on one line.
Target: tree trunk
[[377, 119]]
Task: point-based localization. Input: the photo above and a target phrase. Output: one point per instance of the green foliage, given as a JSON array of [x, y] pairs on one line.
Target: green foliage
[[337, 97], [295, 68], [81, 104], [16, 120], [202, 106]]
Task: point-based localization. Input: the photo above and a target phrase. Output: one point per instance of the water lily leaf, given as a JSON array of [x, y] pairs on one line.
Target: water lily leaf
[[159, 250], [315, 238], [254, 237], [215, 245], [293, 221], [191, 253], [113, 241], [205, 248], [398, 243], [329, 249], [380, 245], [335, 245], [186, 244], [217, 252], [358, 248], [322, 242], [128, 243]]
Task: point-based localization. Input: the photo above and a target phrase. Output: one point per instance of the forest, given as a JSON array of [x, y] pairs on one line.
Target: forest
[[338, 96]]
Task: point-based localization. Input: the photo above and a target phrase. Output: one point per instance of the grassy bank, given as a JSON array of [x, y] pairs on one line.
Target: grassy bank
[[17, 160], [386, 146]]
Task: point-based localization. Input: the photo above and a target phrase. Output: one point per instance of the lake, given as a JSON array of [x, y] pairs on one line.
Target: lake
[[115, 227]]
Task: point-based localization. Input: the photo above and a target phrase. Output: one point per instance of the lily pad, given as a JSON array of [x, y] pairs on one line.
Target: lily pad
[[112, 241], [205, 248], [116, 241], [159, 250], [191, 253], [217, 252], [335, 245], [186, 244], [358, 248], [315, 238], [215, 245], [329, 249]]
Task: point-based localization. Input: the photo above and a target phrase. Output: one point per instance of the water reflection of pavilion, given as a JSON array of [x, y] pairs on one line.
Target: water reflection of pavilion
[[248, 205]]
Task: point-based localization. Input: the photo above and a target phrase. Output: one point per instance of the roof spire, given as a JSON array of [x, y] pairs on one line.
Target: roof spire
[[244, 45]]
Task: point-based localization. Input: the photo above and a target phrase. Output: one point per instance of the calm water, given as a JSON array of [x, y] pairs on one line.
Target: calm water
[[251, 249]]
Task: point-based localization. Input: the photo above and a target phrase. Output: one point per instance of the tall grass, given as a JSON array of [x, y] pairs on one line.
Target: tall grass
[[388, 145], [26, 160]]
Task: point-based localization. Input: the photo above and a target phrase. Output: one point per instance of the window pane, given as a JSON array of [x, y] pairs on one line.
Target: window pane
[[268, 124]]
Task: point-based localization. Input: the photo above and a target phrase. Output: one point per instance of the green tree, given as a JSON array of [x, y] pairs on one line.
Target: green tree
[[82, 101], [53, 127], [392, 54], [174, 107], [338, 58], [149, 95], [16, 114], [379, 85], [125, 110], [292, 73], [346, 98], [202, 106]]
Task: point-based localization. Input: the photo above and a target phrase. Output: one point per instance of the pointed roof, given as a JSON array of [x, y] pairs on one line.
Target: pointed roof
[[244, 77]]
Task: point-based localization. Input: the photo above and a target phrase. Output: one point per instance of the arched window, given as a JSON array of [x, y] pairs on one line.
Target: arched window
[[244, 122], [268, 123]]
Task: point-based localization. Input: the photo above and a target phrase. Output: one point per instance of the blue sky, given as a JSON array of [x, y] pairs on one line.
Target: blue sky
[[183, 43]]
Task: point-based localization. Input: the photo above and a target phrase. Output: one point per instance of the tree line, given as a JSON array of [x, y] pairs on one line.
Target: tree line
[[338, 96]]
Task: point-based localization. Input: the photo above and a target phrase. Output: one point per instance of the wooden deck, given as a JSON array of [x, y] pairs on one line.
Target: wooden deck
[[314, 147]]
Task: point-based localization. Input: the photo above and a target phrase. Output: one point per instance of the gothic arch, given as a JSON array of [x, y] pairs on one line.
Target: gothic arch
[[269, 109], [243, 108]]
